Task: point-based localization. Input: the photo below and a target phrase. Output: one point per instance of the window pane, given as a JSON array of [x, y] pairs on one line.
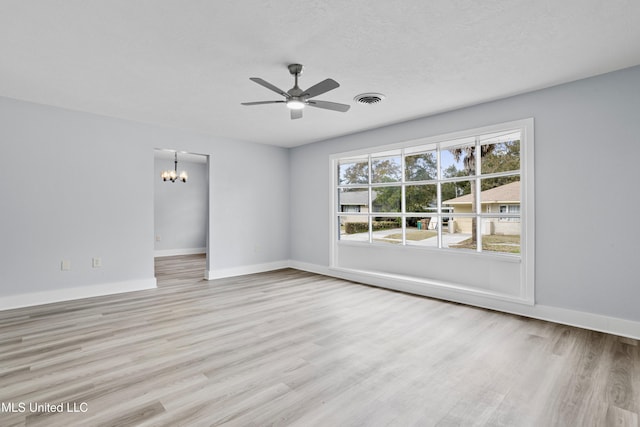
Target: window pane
[[421, 198], [421, 167], [458, 196], [458, 161], [422, 231], [460, 233], [501, 153], [386, 199], [499, 191], [353, 200], [386, 168], [387, 230], [501, 236], [353, 171], [354, 229]]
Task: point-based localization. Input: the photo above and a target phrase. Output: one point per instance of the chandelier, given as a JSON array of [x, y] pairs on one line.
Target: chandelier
[[172, 175]]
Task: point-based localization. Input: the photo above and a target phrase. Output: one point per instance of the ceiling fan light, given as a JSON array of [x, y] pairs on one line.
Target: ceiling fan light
[[294, 104]]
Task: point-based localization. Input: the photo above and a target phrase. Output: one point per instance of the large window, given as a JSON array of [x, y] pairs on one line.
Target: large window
[[449, 216], [461, 194]]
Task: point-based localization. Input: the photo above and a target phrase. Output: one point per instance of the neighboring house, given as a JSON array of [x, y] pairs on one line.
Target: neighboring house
[[502, 199], [355, 201]]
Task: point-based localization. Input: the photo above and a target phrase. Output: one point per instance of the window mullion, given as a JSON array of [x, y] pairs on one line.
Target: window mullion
[[403, 203], [477, 196], [439, 195], [370, 200]]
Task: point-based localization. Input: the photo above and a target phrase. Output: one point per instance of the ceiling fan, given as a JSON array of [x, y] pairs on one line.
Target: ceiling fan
[[296, 98]]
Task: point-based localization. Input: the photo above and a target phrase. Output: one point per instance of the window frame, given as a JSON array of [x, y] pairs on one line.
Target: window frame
[[475, 139], [527, 208]]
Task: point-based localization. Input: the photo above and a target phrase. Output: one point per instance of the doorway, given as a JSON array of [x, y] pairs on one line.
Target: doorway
[[181, 214]]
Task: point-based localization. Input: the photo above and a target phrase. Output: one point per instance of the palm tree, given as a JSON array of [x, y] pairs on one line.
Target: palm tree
[[468, 155]]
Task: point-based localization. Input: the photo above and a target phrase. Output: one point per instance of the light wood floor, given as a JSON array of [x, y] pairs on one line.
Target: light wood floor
[[294, 348]]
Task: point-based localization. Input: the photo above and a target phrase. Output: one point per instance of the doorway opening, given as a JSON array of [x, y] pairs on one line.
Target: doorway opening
[[181, 216]]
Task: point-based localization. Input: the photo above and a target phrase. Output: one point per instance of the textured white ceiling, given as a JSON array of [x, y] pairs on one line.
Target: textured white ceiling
[[187, 64]]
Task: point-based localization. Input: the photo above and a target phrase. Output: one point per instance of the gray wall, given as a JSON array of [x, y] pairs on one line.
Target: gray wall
[[78, 185], [180, 209], [586, 151]]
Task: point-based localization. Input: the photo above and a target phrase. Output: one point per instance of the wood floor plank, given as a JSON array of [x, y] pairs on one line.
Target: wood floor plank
[[291, 348]]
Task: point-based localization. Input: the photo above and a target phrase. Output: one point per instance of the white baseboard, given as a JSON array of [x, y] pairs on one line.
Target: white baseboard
[[245, 269], [592, 321], [67, 294], [311, 268], [581, 319], [174, 252]]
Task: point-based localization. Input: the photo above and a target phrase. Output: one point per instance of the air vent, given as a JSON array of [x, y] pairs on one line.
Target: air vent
[[369, 98]]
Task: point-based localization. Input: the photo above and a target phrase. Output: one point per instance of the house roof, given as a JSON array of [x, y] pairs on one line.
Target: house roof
[[508, 193]]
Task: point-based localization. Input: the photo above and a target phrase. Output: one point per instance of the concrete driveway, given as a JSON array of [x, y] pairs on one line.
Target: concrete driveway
[[381, 235]]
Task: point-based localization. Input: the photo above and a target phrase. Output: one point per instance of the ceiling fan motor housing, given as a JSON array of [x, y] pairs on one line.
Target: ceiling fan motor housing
[[295, 69]]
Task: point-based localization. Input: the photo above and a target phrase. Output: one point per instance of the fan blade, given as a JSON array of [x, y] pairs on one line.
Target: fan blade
[[343, 108], [296, 114], [270, 86], [263, 102], [320, 88]]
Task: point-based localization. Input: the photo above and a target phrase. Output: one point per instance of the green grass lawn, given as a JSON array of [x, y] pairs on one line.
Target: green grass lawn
[[494, 243]]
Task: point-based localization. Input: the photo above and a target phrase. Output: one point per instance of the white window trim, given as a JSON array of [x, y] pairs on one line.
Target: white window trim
[[527, 254]]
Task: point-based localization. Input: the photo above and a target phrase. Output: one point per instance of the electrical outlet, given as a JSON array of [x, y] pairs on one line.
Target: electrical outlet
[[96, 262], [65, 265]]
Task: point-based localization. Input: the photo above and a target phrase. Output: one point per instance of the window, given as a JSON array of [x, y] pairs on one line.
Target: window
[[350, 208], [442, 216], [461, 194], [514, 209]]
